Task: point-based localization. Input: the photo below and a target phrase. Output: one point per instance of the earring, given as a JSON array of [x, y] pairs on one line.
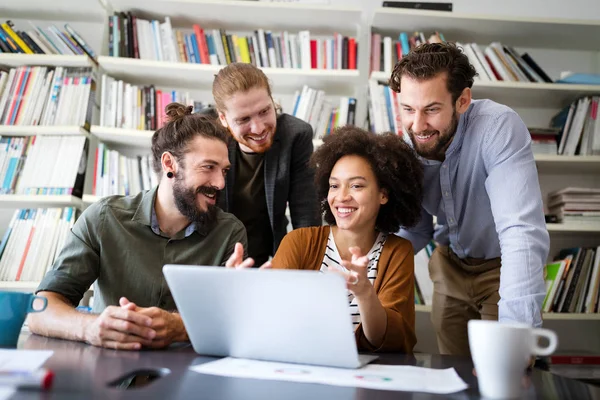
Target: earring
[[169, 174]]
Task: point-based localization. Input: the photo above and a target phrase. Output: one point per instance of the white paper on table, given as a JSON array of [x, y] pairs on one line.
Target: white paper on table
[[6, 393], [23, 360], [374, 376]]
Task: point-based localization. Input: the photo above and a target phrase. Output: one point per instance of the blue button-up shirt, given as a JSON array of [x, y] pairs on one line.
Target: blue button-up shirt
[[487, 200]]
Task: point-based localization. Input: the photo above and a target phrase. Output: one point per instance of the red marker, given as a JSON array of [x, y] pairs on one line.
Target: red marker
[[39, 379]]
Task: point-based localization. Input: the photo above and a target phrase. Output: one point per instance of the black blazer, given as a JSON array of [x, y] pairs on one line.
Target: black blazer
[[288, 179]]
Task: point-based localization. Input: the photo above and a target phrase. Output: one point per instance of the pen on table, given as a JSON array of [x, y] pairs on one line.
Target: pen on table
[[39, 379]]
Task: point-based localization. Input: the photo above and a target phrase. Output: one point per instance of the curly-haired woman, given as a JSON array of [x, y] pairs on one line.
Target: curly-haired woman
[[369, 185]]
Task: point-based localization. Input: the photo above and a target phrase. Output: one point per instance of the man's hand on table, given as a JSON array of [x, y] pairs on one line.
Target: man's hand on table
[[168, 326], [121, 328]]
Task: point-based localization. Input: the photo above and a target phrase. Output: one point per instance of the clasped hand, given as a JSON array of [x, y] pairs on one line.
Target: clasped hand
[[129, 327]]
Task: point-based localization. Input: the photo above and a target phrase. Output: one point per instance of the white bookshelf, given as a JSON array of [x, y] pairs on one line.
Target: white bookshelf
[[61, 10], [574, 227], [200, 76], [515, 31], [247, 15], [53, 60], [34, 130], [422, 308], [554, 163], [522, 94], [90, 199], [124, 137], [34, 201], [12, 286], [572, 316]]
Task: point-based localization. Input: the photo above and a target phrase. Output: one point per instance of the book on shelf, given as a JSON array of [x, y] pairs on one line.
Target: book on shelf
[[573, 281], [311, 106], [544, 140], [384, 110], [579, 126], [123, 105], [37, 40], [495, 62], [575, 359], [43, 165], [47, 96], [498, 62], [572, 204], [134, 37], [387, 51], [32, 241], [116, 174]]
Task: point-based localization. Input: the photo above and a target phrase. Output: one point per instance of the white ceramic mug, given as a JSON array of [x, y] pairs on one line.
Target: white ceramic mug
[[501, 353]]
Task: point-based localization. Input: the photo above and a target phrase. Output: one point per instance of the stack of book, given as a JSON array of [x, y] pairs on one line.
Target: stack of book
[[32, 242], [311, 106], [573, 282], [580, 127], [116, 174], [572, 204], [544, 140], [42, 41], [46, 96], [130, 36], [123, 105], [43, 165]]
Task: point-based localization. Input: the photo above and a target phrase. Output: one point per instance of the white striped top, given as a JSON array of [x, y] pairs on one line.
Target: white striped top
[[332, 259]]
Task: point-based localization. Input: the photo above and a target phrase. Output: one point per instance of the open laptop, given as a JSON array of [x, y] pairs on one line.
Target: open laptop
[[275, 315]]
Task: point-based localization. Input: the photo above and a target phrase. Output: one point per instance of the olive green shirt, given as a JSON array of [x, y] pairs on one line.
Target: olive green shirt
[[113, 244]]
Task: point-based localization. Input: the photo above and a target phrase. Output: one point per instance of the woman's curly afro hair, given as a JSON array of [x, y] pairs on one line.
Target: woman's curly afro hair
[[394, 164]]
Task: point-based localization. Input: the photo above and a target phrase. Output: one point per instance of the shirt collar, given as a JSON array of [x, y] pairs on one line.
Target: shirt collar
[[146, 214]]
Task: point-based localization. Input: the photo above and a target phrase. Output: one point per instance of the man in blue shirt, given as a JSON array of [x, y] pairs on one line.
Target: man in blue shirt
[[481, 183]]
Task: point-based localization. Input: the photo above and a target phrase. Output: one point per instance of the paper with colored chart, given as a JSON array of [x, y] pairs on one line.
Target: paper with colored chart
[[373, 376]]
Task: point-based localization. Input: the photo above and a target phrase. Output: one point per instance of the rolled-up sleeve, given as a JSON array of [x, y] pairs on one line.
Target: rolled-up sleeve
[[516, 202]]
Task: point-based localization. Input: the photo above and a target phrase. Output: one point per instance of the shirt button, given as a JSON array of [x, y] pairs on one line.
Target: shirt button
[[446, 193], [444, 166], [451, 219]]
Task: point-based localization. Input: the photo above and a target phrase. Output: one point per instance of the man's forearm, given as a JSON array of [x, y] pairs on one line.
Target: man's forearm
[[60, 319]]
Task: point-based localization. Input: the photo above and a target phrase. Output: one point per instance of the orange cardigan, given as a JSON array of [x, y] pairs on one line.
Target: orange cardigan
[[304, 248]]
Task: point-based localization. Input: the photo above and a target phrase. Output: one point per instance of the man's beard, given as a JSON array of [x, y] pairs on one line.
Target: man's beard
[[185, 201], [444, 137]]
